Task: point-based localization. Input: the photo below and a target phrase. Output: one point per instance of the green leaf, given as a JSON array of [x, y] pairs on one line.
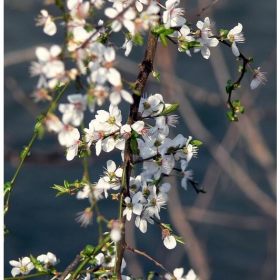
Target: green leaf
[[168, 32], [138, 40], [236, 103], [134, 146], [223, 32], [196, 143], [193, 44], [169, 109], [231, 117], [241, 109], [163, 40], [158, 29], [228, 87], [179, 239], [66, 184]]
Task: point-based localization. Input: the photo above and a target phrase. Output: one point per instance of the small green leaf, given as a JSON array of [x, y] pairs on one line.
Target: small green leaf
[[163, 40], [158, 29], [196, 143], [138, 40], [134, 146], [236, 103], [231, 117], [241, 109], [66, 184], [228, 87], [168, 32], [169, 109]]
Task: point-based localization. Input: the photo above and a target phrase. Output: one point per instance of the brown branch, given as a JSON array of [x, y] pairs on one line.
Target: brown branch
[[146, 67], [150, 258], [70, 267]]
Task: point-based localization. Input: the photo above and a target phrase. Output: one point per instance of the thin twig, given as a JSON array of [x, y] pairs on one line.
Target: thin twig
[[150, 258]]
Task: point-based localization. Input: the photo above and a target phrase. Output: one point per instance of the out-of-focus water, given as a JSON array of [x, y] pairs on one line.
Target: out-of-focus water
[[39, 223]]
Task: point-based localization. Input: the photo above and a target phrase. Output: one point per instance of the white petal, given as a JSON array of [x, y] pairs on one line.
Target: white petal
[[42, 54], [115, 98], [50, 27], [114, 77], [127, 96], [170, 242], [254, 84], [234, 49], [111, 166], [15, 271]]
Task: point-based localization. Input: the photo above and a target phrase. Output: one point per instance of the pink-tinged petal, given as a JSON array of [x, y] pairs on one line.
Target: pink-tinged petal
[[234, 49], [170, 242]]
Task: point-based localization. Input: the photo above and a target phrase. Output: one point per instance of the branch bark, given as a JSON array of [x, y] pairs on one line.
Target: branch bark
[[146, 67]]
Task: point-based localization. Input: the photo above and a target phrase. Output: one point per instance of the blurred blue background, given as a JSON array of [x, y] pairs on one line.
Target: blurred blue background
[[230, 232]]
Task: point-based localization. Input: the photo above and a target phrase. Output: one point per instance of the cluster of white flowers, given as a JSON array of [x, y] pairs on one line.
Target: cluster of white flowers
[[159, 154], [25, 265], [94, 69]]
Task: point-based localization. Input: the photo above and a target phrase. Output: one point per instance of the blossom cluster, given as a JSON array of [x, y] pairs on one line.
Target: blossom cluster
[[158, 153], [25, 265], [88, 59]]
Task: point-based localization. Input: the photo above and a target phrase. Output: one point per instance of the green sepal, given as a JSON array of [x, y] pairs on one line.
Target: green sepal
[[134, 146], [138, 40], [179, 239], [223, 32], [193, 44], [231, 117], [163, 40], [196, 143], [169, 109]]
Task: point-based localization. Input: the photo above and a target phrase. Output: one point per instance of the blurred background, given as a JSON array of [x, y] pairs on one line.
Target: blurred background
[[230, 232]]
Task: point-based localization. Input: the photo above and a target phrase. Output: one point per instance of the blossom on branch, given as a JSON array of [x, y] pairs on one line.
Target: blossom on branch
[[22, 266], [236, 35]]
